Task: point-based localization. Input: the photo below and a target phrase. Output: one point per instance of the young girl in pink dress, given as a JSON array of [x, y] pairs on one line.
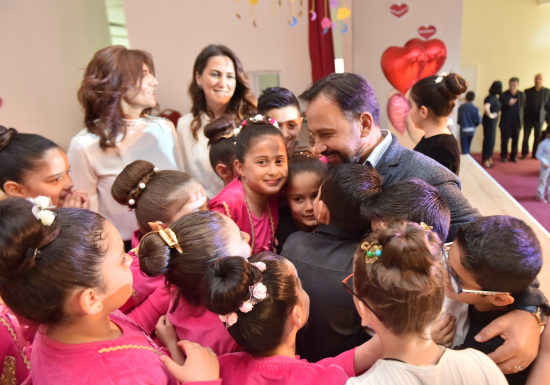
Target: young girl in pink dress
[[264, 305], [66, 270], [15, 362], [251, 199], [198, 239], [158, 198]]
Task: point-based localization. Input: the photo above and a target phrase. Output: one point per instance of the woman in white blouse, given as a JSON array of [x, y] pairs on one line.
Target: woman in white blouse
[[117, 92], [219, 86]]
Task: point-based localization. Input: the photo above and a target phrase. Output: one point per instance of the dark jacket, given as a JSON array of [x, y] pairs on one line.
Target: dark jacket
[[507, 118]]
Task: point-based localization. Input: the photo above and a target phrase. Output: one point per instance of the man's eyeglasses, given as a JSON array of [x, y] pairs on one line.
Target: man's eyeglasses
[[350, 290], [453, 279]]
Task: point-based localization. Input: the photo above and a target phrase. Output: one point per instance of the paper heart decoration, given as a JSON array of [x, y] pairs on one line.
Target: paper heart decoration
[[326, 23], [399, 10], [398, 109], [404, 66], [436, 54], [426, 32]]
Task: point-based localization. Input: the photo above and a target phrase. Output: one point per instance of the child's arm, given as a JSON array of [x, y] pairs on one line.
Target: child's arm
[[540, 151], [540, 373], [166, 332], [443, 330], [201, 364], [366, 355]]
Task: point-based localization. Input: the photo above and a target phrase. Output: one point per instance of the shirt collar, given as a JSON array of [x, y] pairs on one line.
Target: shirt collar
[[380, 149]]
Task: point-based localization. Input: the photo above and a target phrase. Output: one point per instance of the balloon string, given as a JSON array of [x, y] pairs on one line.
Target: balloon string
[[313, 5], [326, 6]]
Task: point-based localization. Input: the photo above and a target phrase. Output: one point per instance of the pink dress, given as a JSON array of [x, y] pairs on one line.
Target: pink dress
[[142, 286], [14, 348], [198, 324], [244, 369], [231, 202], [133, 358]]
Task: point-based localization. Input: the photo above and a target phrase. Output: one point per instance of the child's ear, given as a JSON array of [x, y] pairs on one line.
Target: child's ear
[[424, 112], [297, 316], [156, 226], [324, 214], [15, 189], [224, 172], [89, 302], [238, 167], [501, 299], [367, 317]]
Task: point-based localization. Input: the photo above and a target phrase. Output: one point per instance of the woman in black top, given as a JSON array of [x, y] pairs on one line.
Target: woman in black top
[[432, 100], [491, 107]]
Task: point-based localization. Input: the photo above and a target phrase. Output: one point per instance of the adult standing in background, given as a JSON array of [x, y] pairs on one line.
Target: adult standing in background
[[512, 102], [117, 93], [219, 86], [491, 108], [535, 99]]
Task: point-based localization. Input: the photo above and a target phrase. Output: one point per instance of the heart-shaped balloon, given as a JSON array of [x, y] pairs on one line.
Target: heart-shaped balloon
[[436, 54], [403, 65], [398, 109]]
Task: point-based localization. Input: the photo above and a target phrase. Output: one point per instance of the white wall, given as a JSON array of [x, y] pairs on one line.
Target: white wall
[[44, 47], [174, 32], [375, 29]]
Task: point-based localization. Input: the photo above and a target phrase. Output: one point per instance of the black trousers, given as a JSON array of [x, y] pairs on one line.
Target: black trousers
[[508, 132], [526, 134], [489, 134]]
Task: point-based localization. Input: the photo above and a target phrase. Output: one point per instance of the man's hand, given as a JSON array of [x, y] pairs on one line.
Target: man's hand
[[521, 334]]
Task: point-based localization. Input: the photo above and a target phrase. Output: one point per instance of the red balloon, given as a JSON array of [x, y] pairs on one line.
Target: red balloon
[[436, 54], [403, 65], [398, 109]]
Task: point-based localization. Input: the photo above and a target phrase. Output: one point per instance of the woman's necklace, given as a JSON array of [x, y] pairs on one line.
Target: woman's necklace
[[252, 236]]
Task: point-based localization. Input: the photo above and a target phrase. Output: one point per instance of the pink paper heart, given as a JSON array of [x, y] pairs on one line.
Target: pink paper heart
[[326, 23], [399, 10], [426, 32]]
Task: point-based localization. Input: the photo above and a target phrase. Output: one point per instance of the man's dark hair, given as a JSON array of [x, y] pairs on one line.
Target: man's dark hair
[[470, 96], [514, 79], [501, 252], [276, 97], [353, 93], [344, 190]]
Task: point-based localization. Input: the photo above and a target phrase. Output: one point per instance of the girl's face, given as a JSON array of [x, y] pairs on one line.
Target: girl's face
[[51, 177], [141, 97], [218, 81], [117, 276], [264, 168], [237, 240], [301, 193], [289, 120], [415, 115], [303, 297]]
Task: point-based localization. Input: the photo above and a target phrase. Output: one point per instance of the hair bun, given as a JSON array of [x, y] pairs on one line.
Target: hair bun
[[126, 187], [154, 254], [452, 86], [5, 136]]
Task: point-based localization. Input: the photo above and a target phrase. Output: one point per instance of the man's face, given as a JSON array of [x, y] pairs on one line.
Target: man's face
[[513, 86], [538, 81], [334, 135]]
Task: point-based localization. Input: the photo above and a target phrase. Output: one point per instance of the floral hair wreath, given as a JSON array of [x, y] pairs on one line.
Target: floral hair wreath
[[440, 77], [257, 293], [41, 206]]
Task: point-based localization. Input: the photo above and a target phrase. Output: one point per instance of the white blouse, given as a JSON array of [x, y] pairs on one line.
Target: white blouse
[[94, 170], [196, 161]]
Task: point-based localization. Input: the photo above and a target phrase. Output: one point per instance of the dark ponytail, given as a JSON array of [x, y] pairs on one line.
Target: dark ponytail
[[163, 193], [202, 237], [226, 286], [439, 93], [404, 285], [20, 153], [40, 265]]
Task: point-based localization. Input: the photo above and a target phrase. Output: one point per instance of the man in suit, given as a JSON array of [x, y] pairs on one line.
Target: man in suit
[[343, 118], [512, 104], [535, 99]]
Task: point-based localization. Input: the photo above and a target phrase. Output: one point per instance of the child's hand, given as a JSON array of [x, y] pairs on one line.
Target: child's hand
[[201, 363], [77, 199], [443, 330], [546, 165], [166, 332]]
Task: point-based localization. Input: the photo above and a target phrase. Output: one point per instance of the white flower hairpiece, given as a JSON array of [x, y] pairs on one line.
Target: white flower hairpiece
[[40, 210], [440, 77], [229, 319]]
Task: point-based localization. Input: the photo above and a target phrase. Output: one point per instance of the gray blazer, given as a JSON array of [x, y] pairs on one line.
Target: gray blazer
[[399, 163]]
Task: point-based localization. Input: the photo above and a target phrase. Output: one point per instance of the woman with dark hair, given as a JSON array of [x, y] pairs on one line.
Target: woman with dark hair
[[117, 93], [219, 86], [491, 107], [432, 101]]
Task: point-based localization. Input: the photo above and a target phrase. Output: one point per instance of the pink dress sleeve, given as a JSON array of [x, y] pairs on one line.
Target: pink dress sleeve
[[149, 311], [343, 360], [14, 349]]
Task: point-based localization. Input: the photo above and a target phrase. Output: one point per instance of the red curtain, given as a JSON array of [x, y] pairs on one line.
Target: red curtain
[[321, 49]]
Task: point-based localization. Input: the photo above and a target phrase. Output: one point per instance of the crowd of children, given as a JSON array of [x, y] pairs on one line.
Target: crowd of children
[[194, 291]]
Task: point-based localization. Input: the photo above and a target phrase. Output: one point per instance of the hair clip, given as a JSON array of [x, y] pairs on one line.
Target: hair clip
[[155, 169], [373, 251], [229, 319], [131, 202], [440, 77], [169, 237], [259, 265], [237, 130], [40, 206], [142, 185], [273, 122], [426, 227]]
